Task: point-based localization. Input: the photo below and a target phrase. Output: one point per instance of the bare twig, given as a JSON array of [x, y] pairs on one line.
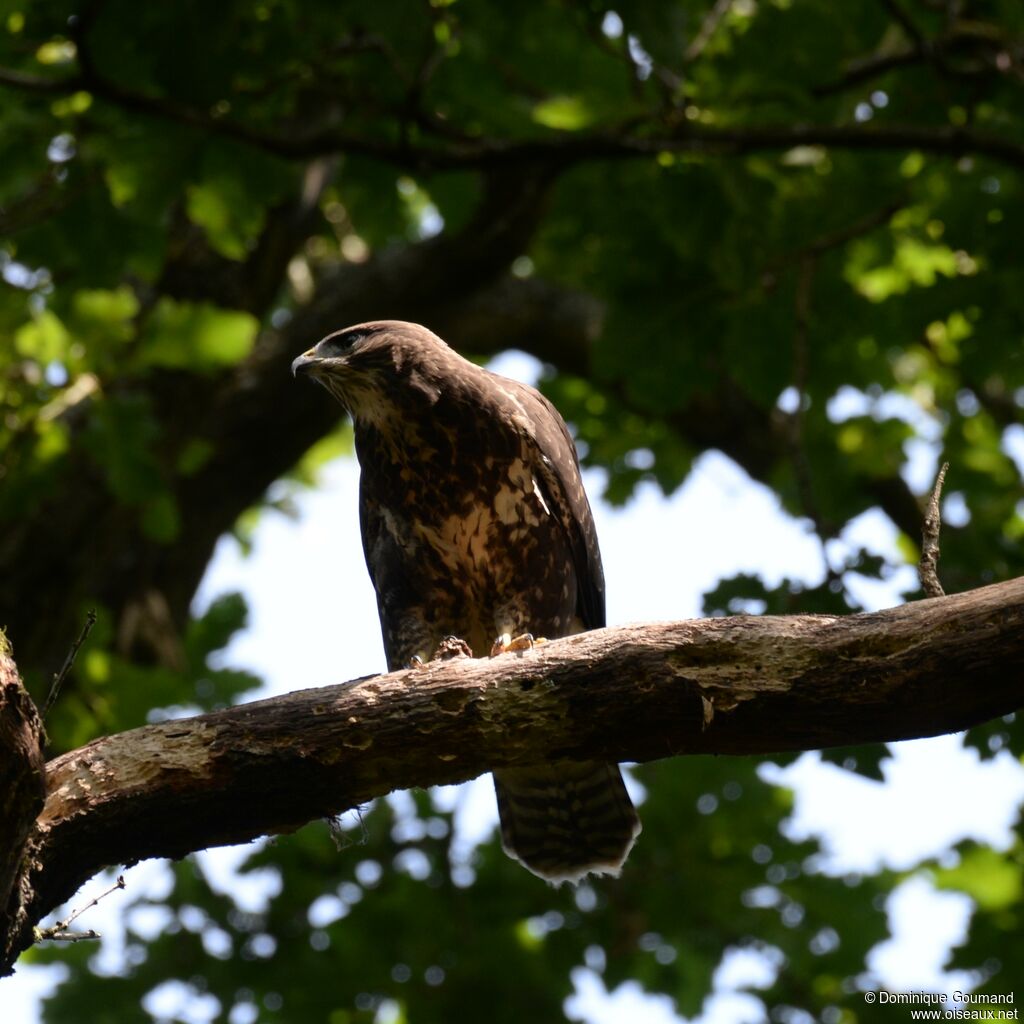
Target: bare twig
[[52, 935], [620, 49], [833, 240], [706, 30], [59, 932], [965, 50], [69, 661], [866, 68], [340, 837], [858, 228], [928, 566], [44, 199], [36, 83]]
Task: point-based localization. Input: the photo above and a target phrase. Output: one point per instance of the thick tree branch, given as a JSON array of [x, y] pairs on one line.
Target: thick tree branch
[[560, 149], [742, 685], [869, 68]]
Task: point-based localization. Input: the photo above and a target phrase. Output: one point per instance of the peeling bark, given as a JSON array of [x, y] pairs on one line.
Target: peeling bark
[[740, 685], [22, 794]]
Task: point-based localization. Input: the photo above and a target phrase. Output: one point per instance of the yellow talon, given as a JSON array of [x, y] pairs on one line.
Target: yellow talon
[[524, 642]]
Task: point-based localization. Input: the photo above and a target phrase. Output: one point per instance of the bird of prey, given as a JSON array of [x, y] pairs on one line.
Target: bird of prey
[[475, 525]]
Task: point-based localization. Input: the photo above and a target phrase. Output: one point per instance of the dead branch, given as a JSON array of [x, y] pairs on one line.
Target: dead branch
[[928, 568], [69, 661]]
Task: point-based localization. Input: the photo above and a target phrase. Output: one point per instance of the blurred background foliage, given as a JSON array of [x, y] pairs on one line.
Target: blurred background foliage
[[788, 230]]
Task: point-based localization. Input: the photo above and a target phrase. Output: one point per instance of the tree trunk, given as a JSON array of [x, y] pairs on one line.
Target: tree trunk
[[22, 795]]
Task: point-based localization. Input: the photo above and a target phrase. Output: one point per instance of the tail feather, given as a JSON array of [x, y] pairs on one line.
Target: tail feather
[[566, 820]]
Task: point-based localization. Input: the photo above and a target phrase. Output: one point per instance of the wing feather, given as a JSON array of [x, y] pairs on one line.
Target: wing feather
[[557, 470]]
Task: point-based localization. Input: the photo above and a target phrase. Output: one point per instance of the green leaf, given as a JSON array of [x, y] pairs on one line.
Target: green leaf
[[44, 338], [160, 518], [995, 881], [565, 113], [229, 225], [199, 336]]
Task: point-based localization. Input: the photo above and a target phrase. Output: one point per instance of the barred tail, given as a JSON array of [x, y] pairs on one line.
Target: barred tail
[[566, 820]]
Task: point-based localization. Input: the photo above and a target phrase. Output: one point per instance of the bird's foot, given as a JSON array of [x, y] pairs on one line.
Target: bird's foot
[[524, 642], [452, 647]]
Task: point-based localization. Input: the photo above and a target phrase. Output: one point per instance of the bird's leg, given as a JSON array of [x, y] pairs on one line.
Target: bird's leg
[[524, 642]]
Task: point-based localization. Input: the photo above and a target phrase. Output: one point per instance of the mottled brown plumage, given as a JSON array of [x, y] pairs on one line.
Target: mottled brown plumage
[[475, 524]]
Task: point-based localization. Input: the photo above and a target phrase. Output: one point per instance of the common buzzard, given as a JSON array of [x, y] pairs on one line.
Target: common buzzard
[[475, 524]]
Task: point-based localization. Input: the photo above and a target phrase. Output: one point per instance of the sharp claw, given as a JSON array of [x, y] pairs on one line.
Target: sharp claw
[[523, 642], [452, 647]]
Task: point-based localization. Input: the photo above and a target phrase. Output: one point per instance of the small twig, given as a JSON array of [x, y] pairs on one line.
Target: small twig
[[706, 30], [59, 932], [927, 569], [621, 49], [858, 228], [342, 840], [69, 661], [835, 239], [52, 935], [37, 83], [866, 68]]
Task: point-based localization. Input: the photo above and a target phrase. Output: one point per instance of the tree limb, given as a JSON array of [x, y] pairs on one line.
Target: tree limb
[[559, 149], [740, 685]]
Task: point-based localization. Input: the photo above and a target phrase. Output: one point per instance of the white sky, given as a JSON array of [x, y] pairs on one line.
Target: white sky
[[313, 621]]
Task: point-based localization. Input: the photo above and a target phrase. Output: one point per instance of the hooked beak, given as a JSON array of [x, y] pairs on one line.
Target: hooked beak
[[304, 364]]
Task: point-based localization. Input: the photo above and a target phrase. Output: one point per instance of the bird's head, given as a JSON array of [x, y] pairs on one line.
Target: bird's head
[[368, 367]]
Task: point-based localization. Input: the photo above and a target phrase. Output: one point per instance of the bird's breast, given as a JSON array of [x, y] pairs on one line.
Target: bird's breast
[[476, 530]]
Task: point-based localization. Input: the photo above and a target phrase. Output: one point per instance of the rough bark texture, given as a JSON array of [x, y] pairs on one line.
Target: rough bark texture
[[22, 793], [742, 685]]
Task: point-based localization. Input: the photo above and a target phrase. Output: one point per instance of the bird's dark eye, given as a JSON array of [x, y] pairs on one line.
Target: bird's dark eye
[[340, 343]]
